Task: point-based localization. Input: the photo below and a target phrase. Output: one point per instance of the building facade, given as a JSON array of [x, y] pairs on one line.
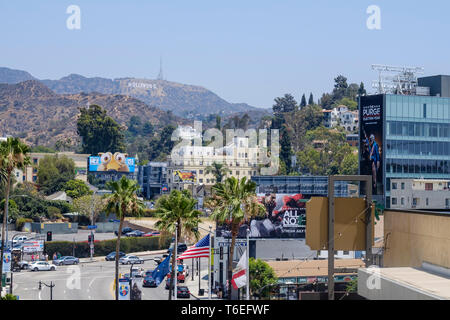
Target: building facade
[[412, 134], [420, 194], [152, 179]]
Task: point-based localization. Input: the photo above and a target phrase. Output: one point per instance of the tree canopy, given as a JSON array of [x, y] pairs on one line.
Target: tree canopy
[[54, 172]]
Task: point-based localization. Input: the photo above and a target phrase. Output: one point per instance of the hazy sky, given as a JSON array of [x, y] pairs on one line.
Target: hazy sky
[[245, 51]]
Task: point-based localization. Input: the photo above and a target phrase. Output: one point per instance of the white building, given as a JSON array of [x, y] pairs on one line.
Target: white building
[[420, 194], [341, 116]]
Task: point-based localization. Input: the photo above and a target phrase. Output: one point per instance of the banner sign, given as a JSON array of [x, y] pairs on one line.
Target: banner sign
[[371, 141], [108, 162], [124, 289], [6, 261], [184, 176], [33, 246], [285, 218]]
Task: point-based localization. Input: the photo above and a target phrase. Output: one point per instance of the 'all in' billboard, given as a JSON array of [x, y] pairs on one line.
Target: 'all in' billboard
[[371, 140]]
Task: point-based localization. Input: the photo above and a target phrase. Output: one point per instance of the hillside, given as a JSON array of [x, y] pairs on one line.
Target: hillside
[[32, 111], [188, 101]]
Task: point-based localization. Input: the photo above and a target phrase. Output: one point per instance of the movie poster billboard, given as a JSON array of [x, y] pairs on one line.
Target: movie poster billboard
[[371, 140], [285, 218], [108, 162], [184, 176]]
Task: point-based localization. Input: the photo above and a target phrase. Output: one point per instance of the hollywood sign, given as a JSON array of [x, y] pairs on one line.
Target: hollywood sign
[[142, 85]]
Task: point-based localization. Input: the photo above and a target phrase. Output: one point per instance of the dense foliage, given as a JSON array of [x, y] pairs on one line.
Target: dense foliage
[[54, 172]]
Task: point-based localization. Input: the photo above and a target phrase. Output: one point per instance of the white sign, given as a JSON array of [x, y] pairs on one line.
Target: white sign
[[6, 261], [33, 246], [124, 289]]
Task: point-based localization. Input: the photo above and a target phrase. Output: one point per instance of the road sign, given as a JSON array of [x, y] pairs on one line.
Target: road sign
[[116, 220], [92, 227], [6, 261]]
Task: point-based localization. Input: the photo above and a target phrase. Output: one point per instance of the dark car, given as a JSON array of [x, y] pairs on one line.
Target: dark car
[[183, 292], [135, 233], [149, 282], [66, 260], [182, 247], [124, 231], [112, 256]]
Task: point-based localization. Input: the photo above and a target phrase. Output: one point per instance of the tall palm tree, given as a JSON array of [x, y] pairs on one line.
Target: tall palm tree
[[13, 155], [177, 210], [234, 201], [123, 202], [219, 171]]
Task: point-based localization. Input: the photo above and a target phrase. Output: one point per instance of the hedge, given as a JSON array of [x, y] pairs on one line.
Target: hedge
[[105, 247]]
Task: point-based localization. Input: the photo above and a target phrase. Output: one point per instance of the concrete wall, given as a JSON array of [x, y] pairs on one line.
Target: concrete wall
[[55, 228], [103, 227], [414, 238]]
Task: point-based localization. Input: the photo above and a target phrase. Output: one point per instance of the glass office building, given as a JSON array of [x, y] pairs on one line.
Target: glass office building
[[415, 135]]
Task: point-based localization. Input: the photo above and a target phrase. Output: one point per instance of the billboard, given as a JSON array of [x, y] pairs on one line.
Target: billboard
[[184, 176], [371, 140], [107, 162], [285, 218], [33, 246]]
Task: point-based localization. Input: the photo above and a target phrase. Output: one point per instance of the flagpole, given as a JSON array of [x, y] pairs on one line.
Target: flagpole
[[209, 267], [248, 266]]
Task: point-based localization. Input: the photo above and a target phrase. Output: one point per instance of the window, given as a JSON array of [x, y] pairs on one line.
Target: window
[[447, 203], [402, 201], [201, 171], [415, 202], [394, 186], [394, 201], [200, 180], [427, 202], [403, 185], [428, 187]]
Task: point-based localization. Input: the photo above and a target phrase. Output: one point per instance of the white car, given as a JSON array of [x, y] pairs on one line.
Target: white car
[[42, 266], [130, 260], [20, 239]]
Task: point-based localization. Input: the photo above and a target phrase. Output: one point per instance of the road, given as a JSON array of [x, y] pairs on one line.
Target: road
[[86, 281]]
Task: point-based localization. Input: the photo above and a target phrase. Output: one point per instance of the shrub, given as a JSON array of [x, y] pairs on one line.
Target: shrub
[[21, 221], [104, 247]]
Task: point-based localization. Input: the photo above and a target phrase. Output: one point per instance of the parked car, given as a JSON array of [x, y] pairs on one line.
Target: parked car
[[182, 247], [137, 272], [152, 234], [183, 292], [148, 273], [130, 260], [135, 233], [42, 266], [112, 256], [149, 282], [124, 231], [66, 260], [19, 239]]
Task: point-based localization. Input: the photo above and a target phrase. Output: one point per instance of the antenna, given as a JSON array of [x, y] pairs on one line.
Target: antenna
[[160, 75], [396, 80]]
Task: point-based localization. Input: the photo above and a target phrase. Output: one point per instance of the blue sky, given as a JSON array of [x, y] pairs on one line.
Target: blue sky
[[245, 51]]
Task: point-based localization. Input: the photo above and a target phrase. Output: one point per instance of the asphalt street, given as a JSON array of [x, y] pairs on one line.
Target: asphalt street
[[86, 281]]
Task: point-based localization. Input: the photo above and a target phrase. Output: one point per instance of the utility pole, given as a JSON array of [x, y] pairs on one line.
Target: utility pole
[[247, 271], [175, 267]]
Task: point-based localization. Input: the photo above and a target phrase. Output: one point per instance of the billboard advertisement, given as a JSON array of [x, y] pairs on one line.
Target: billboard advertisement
[[107, 162], [33, 246], [371, 140], [285, 218], [184, 176]]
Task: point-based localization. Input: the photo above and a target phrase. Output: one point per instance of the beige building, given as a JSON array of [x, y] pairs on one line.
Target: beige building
[[238, 156], [81, 161], [420, 194]]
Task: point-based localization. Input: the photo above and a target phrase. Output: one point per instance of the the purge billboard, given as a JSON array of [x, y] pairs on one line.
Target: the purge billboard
[[117, 162], [371, 140], [285, 218]]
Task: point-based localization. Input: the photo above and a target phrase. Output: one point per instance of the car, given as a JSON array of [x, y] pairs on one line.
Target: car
[[19, 239], [137, 272], [42, 266], [135, 233], [182, 247], [112, 256], [128, 259], [149, 282], [148, 273], [152, 234], [183, 292], [66, 260], [124, 231]]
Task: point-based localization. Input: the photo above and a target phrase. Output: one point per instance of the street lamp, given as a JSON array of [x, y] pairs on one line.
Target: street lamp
[[51, 285]]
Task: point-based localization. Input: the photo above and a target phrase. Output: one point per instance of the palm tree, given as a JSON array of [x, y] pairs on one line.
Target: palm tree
[[219, 170], [123, 202], [177, 211], [234, 201], [13, 155]]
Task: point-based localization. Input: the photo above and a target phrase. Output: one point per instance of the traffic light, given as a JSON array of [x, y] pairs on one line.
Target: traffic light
[[90, 238], [49, 236]]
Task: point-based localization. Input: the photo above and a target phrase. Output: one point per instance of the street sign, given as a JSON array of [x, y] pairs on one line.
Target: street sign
[[116, 220], [124, 289], [92, 227]]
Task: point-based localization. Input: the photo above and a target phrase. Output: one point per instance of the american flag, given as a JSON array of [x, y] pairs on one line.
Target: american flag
[[199, 250]]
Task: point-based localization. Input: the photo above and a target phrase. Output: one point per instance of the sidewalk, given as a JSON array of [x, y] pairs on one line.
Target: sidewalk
[[193, 286]]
